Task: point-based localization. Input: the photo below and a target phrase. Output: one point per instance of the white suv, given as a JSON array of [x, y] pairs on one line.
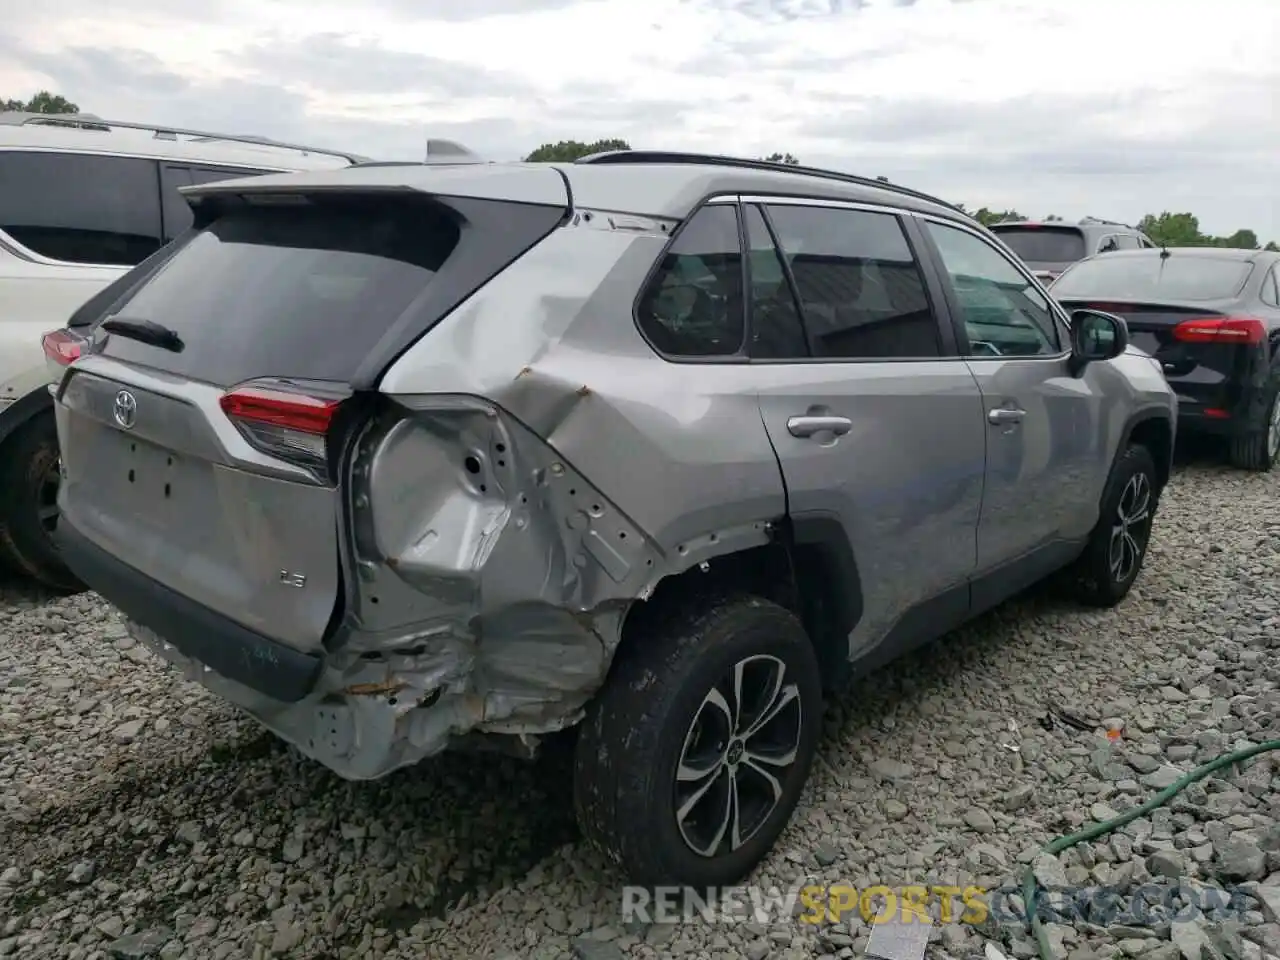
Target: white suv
[[82, 200]]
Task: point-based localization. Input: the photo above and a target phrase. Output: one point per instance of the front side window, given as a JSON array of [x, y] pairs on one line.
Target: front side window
[[1127, 242], [694, 305], [861, 292], [81, 208], [1004, 313]]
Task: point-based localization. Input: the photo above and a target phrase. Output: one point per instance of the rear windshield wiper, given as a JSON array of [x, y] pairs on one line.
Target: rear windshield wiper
[[146, 331]]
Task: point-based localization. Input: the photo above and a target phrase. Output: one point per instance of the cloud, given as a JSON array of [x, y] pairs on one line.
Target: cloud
[[1067, 106]]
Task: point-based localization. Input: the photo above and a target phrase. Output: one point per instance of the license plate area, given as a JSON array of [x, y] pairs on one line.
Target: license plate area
[[142, 481]]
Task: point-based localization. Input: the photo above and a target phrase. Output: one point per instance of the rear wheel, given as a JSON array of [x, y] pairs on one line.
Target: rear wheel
[[29, 479], [1260, 449], [693, 757], [1118, 545]]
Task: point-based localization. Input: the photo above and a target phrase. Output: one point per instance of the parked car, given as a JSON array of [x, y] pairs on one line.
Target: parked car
[[1049, 247], [653, 444], [81, 201], [1211, 317]]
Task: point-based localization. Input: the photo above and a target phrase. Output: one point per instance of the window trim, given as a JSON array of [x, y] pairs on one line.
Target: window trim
[[22, 252], [953, 304], [734, 359], [947, 346]]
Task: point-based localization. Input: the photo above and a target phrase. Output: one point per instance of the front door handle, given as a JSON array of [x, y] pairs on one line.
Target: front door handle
[[808, 426], [1005, 415]]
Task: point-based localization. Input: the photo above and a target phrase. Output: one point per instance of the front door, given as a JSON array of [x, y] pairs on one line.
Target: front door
[[1042, 422], [873, 426]]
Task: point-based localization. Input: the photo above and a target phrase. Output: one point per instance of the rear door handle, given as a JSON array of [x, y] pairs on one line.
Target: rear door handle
[[808, 426], [1006, 415]]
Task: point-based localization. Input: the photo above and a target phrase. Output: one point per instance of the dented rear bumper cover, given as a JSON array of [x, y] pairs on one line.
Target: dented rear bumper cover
[[488, 583]]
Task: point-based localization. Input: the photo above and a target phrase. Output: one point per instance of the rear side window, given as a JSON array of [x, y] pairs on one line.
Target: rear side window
[[776, 330], [1271, 289], [694, 305], [861, 292], [299, 292], [81, 208], [1149, 276], [177, 212], [1044, 244]]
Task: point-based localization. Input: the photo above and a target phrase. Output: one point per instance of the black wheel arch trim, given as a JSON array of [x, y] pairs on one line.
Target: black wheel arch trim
[[823, 536], [1136, 420], [22, 411]]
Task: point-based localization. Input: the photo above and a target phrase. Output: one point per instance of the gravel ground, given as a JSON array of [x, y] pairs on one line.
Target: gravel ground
[[140, 816]]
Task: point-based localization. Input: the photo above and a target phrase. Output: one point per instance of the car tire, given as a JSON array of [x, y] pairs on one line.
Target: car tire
[[28, 479], [1259, 450], [1117, 547], [667, 707]]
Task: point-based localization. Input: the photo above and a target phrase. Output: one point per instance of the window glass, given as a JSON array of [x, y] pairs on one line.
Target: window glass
[[861, 292], [177, 212], [296, 292], [1004, 314], [1271, 289], [776, 331], [1155, 278], [1041, 244], [1127, 242], [81, 208], [1107, 244], [694, 306]]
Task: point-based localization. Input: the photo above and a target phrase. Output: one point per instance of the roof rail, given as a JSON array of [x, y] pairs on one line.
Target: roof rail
[[711, 159], [1113, 223], [88, 120]]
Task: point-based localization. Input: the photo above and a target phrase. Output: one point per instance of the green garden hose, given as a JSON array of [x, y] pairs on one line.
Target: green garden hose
[[1109, 826]]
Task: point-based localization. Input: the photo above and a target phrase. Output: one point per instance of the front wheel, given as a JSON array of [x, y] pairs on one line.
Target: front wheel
[[693, 757], [1118, 545], [29, 480]]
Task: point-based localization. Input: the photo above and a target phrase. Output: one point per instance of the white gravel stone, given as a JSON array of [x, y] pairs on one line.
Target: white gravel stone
[[191, 834]]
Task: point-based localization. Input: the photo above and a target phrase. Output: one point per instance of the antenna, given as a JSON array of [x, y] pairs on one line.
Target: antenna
[[445, 150]]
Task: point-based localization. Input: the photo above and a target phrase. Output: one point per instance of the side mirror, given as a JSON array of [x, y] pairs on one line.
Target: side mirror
[[1096, 336]]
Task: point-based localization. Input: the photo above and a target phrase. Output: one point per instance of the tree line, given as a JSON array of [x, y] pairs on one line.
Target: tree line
[[1167, 229]]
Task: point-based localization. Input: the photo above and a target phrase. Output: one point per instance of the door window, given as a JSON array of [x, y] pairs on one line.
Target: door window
[[1004, 313], [1127, 242], [694, 305], [177, 212], [861, 293], [1108, 244], [81, 208], [776, 330]]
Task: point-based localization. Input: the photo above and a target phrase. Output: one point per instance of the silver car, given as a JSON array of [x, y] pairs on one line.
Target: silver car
[[660, 447]]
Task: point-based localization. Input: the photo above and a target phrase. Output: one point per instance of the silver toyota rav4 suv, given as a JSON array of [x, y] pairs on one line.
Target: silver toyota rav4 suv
[[659, 446]]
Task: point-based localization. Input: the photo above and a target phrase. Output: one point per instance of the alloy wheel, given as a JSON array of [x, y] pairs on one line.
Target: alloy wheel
[[1131, 529], [743, 739]]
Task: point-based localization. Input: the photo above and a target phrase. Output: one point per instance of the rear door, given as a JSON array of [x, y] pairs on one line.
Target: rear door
[[1044, 463], [876, 425], [200, 436]]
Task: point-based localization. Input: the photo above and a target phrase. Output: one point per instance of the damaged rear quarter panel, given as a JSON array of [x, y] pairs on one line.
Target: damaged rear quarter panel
[[542, 468]]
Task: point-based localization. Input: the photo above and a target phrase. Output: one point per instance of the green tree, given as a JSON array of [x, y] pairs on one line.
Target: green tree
[[787, 158], [42, 102], [1271, 245], [1241, 239], [567, 151], [1053, 218], [987, 217], [1173, 229]]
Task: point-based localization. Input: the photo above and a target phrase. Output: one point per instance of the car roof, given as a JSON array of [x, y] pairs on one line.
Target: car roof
[[85, 133], [1084, 226], [659, 184]]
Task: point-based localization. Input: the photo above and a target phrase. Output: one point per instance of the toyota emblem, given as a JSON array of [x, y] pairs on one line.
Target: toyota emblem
[[126, 409]]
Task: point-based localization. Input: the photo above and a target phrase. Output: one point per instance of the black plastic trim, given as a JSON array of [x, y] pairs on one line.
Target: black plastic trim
[[235, 652], [21, 411]]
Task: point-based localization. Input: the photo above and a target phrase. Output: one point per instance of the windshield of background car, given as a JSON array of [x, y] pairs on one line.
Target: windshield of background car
[[1153, 278], [1043, 244]]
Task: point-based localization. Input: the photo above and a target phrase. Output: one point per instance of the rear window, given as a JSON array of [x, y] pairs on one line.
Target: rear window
[[1149, 277], [1043, 244], [290, 291]]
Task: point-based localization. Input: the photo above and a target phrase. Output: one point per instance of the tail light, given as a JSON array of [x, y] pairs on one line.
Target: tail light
[[1246, 330], [62, 347], [284, 424]]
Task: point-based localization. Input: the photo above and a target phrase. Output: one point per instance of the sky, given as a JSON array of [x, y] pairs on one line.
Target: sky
[[1107, 108]]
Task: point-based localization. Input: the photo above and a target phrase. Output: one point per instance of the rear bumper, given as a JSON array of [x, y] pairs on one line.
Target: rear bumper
[[237, 653]]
